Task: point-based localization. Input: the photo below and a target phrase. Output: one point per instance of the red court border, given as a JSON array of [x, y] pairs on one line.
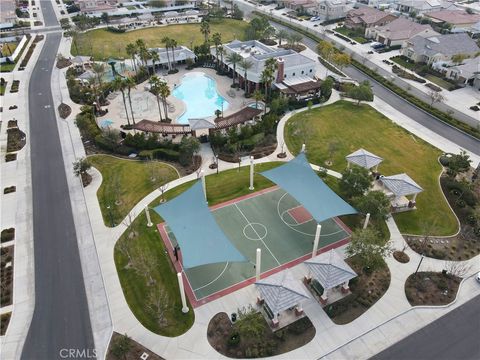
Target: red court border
[[188, 288]]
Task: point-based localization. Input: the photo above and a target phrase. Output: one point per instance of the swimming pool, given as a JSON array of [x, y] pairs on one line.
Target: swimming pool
[[105, 123], [199, 93]]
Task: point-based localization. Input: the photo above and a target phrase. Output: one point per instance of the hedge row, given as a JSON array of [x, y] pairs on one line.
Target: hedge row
[[160, 154], [399, 91]]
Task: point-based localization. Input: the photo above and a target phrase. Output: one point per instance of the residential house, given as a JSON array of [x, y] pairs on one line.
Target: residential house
[[467, 73], [331, 9], [298, 4], [366, 17], [399, 30], [290, 63], [457, 19], [439, 48], [420, 7], [94, 6]]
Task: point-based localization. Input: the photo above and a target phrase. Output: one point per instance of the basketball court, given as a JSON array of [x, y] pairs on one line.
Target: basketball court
[[271, 220]]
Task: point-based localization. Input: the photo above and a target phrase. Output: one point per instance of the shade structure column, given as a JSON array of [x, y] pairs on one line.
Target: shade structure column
[[252, 168], [345, 287], [316, 241], [185, 308], [204, 185], [367, 219], [147, 213], [258, 264]]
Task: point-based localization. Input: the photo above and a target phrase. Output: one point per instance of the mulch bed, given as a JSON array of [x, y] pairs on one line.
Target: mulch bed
[[291, 337], [463, 246], [297, 47], [401, 257], [16, 139], [6, 275], [63, 63], [135, 352], [64, 110], [431, 288], [86, 179], [366, 290]]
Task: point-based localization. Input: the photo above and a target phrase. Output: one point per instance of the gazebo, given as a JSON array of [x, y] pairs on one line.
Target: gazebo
[[327, 271], [364, 158], [397, 188], [281, 292]]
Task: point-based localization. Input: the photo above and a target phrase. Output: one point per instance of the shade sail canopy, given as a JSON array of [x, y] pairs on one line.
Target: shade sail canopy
[[299, 180], [330, 270], [364, 158], [200, 238], [282, 291]]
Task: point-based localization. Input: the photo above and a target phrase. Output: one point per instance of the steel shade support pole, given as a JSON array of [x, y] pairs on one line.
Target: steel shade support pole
[[317, 239], [258, 264], [185, 308], [303, 148], [149, 221], [367, 219], [251, 173], [204, 186]]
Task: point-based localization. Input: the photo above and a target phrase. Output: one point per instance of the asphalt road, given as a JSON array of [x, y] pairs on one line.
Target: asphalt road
[[454, 336], [61, 319]]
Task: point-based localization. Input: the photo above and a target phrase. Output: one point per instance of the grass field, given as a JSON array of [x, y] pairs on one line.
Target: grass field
[[440, 82], [126, 182], [7, 67], [103, 44], [9, 48], [351, 127], [134, 284], [356, 35]]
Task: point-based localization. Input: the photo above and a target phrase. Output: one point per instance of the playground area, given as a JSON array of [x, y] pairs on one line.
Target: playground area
[[271, 220]]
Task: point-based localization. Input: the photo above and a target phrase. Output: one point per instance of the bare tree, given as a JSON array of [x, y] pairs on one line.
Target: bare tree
[[162, 188], [435, 97], [457, 268], [117, 188], [144, 262], [131, 226], [158, 304], [124, 248]]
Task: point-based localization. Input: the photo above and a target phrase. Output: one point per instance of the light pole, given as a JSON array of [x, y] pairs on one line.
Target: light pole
[[420, 263], [95, 111], [110, 214], [216, 161]]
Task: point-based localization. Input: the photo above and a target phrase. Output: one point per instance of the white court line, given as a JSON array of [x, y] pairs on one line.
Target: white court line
[[255, 231], [211, 282]]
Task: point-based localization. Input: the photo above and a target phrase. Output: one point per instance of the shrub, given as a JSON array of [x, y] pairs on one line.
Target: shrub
[[115, 30], [145, 154], [166, 154], [9, 189], [7, 235], [233, 340]]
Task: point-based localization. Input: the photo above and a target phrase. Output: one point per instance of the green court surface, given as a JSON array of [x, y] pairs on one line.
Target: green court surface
[[272, 221]]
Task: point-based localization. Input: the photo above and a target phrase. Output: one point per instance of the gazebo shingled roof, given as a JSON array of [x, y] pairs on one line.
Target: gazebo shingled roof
[[364, 158], [163, 128], [241, 116], [330, 270], [401, 184]]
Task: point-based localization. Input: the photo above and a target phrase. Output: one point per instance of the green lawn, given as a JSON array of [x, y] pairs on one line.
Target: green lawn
[[126, 182], [440, 82], [103, 44], [402, 62], [356, 35], [3, 88], [147, 244], [352, 127], [9, 46], [7, 67]]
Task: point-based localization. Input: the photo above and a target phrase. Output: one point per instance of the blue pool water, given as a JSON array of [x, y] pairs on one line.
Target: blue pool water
[[199, 93], [105, 123]]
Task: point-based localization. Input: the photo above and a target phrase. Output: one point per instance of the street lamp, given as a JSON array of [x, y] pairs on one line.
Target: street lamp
[[216, 161], [420, 263], [222, 107], [111, 215], [95, 111]]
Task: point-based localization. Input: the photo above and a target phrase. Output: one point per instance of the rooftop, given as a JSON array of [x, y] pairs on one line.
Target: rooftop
[[454, 17], [366, 15], [402, 28], [364, 158], [401, 184], [330, 270], [448, 45]]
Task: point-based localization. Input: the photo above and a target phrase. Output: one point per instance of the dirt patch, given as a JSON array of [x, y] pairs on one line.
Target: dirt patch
[[6, 275], [367, 289], [16, 139], [401, 257], [63, 63], [431, 288], [135, 350], [223, 337], [64, 110], [12, 124], [465, 245], [296, 47], [86, 179]]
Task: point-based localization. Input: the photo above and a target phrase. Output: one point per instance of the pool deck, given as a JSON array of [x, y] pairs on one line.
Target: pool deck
[[145, 104]]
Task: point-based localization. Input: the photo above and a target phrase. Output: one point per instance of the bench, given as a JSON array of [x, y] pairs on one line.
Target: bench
[[317, 287]]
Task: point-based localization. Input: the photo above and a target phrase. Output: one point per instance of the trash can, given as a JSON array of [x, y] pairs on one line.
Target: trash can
[[234, 317]]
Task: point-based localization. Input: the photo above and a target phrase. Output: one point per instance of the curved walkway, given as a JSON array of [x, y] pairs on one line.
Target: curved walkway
[[331, 340]]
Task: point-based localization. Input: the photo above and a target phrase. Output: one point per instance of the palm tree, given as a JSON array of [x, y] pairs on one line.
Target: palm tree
[[119, 85], [74, 35], [166, 40], [131, 50], [221, 52], [234, 59], [173, 45], [99, 70], [268, 74], [205, 29], [257, 95], [154, 57], [282, 34], [217, 41], [155, 84], [245, 64], [164, 91], [130, 84]]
